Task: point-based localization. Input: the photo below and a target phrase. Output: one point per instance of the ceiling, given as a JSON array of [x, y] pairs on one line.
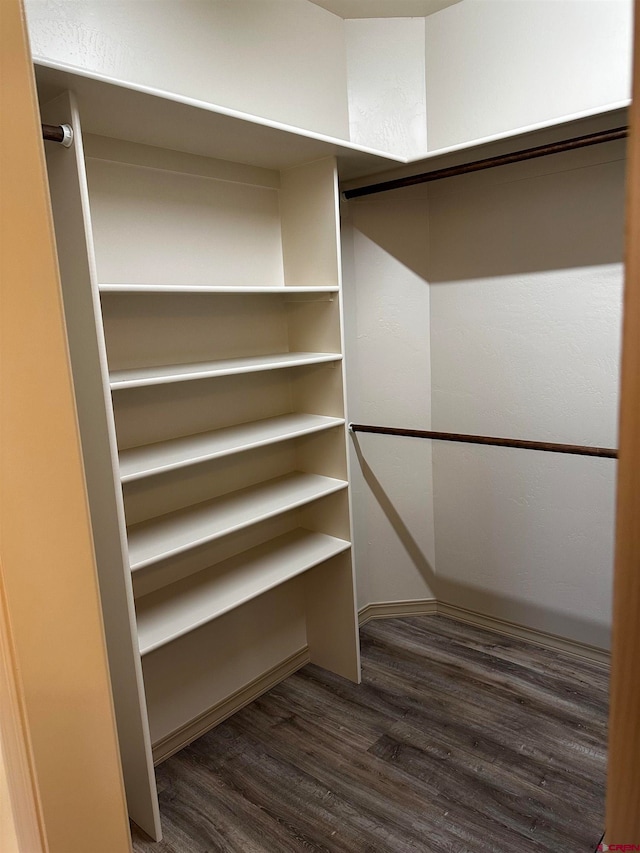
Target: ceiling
[[384, 8]]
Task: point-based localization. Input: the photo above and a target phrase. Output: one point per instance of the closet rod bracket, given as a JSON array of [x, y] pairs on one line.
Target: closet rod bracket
[[61, 133]]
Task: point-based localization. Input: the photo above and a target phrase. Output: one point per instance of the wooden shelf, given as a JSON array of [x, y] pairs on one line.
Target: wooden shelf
[[182, 607], [162, 374], [176, 532], [150, 459], [198, 288]]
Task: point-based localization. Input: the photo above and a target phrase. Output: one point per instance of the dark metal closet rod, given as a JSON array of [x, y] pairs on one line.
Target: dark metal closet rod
[[548, 446], [491, 162], [61, 133]]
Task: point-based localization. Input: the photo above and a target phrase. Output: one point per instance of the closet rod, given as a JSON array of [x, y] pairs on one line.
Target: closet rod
[[62, 133], [548, 446], [491, 162]]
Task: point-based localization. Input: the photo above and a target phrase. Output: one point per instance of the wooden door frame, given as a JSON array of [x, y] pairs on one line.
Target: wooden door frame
[[623, 784], [60, 764]]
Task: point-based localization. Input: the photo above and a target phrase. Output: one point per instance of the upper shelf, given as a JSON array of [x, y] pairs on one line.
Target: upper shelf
[[166, 373], [119, 109], [116, 108], [198, 288], [146, 460], [544, 133]]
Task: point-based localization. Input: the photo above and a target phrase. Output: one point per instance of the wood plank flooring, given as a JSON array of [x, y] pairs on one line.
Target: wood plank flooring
[[458, 741]]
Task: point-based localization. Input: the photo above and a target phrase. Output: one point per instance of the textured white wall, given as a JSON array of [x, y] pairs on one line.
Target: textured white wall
[[386, 84], [497, 65], [526, 284], [519, 272], [388, 382], [280, 59]]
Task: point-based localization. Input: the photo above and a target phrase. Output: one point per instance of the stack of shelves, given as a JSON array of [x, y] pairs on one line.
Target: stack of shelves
[[205, 326]]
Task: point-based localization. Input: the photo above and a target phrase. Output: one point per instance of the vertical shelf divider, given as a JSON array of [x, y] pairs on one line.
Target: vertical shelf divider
[[72, 218]]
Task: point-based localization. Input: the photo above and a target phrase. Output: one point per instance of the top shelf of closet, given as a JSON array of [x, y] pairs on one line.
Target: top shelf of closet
[[122, 110], [195, 288]]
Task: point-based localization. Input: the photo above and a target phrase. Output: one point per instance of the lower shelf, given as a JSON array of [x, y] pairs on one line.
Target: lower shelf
[[177, 609], [177, 532]]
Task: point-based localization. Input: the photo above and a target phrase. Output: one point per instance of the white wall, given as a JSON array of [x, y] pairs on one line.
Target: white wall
[[388, 382], [526, 284], [490, 305], [280, 59], [497, 65], [386, 84]]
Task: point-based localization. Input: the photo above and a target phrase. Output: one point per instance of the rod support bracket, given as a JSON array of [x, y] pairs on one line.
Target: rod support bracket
[[67, 135]]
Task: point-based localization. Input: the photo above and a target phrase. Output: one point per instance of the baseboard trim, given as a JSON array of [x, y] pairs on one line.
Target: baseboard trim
[[431, 607], [522, 632], [393, 609], [183, 736]]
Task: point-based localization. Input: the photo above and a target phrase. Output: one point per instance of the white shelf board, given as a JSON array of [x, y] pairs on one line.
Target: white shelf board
[[196, 288], [146, 460], [177, 532], [175, 610], [606, 117], [123, 110], [165, 373], [117, 108]]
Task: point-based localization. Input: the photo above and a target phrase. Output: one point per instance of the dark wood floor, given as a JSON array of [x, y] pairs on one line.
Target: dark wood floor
[[458, 740]]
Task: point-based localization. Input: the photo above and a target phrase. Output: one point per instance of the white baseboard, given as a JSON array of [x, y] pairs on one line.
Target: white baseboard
[[393, 609], [183, 736], [431, 606]]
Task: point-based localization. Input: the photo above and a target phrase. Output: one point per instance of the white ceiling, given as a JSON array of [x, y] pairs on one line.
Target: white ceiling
[[383, 8]]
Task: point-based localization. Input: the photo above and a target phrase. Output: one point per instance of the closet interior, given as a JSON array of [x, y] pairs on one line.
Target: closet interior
[[200, 256]]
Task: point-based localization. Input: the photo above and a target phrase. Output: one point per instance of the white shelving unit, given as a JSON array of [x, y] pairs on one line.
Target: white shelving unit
[[204, 315], [138, 462], [165, 373], [174, 533], [182, 607]]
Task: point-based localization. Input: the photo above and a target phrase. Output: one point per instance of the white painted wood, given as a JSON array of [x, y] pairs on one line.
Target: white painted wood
[[194, 728], [165, 226], [151, 157], [307, 204], [228, 274], [199, 671], [166, 455], [138, 377], [150, 414], [174, 533], [332, 620], [175, 610], [204, 288], [112, 107], [73, 228]]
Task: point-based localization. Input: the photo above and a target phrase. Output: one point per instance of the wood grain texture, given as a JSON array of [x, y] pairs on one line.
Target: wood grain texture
[[623, 787], [458, 739]]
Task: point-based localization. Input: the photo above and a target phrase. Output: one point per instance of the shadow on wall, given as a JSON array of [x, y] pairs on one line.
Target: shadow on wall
[[413, 549], [591, 630], [562, 212]]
